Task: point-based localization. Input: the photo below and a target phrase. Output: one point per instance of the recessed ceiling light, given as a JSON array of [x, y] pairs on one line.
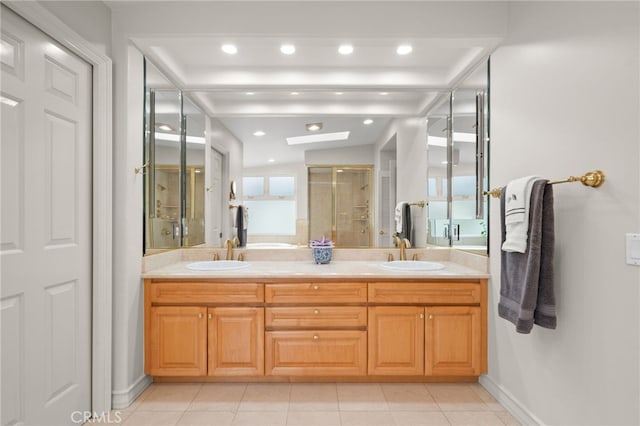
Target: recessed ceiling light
[[295, 93], [165, 127], [318, 137], [367, 121], [404, 49], [229, 49], [288, 49], [384, 93], [271, 160], [250, 93], [313, 127], [345, 49], [339, 93], [8, 101], [259, 133]]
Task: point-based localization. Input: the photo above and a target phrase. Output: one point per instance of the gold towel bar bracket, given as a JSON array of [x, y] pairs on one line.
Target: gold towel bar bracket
[[140, 169], [593, 179]]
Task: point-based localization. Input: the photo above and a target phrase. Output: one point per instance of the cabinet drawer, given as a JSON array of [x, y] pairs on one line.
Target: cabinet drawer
[[315, 293], [190, 292], [448, 293], [316, 317], [310, 353]]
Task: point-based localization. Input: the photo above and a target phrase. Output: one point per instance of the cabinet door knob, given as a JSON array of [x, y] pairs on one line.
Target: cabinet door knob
[[316, 337], [430, 316], [316, 287], [210, 316], [316, 312], [421, 316], [199, 315]]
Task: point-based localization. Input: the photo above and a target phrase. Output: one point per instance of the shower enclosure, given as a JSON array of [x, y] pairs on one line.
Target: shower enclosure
[[340, 199]]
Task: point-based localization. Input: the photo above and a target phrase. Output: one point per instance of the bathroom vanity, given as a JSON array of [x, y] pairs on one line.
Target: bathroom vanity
[[297, 321]]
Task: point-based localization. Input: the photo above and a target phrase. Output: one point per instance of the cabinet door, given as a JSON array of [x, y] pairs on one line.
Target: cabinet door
[[178, 341], [396, 340], [316, 353], [236, 341], [453, 341]]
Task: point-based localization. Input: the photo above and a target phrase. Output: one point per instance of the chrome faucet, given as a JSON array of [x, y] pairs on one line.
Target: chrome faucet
[[403, 244], [230, 244]]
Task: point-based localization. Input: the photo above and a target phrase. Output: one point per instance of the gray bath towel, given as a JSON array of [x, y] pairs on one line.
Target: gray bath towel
[[526, 284]]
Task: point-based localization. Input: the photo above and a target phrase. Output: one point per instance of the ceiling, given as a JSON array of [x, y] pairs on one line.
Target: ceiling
[[260, 88]]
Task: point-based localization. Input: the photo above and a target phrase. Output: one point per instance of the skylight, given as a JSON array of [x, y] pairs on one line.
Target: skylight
[[319, 137]]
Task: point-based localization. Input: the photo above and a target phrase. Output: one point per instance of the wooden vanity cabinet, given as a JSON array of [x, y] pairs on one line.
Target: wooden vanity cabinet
[[316, 329], [435, 329], [177, 342], [204, 329], [235, 341], [418, 329]]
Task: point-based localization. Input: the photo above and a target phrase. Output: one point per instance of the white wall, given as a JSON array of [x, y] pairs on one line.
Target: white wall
[[90, 19], [565, 100]]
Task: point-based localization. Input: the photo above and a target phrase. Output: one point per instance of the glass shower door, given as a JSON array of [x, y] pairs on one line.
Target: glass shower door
[[340, 205]]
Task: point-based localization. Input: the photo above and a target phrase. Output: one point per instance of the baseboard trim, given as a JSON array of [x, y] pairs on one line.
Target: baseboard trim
[[512, 405], [124, 398]]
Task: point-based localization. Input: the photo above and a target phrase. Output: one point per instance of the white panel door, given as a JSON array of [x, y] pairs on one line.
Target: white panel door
[[214, 202], [46, 248]]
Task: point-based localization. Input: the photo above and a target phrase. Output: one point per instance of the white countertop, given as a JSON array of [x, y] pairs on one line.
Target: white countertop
[[352, 269]]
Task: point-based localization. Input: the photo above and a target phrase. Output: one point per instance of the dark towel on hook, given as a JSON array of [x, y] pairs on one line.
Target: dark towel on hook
[[241, 228], [526, 279], [407, 230]]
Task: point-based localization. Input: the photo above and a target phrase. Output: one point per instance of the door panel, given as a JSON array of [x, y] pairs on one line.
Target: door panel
[[453, 341], [396, 340], [236, 341], [46, 227]]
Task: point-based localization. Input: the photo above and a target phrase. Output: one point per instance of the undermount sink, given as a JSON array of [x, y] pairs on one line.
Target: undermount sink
[[218, 265], [413, 265]]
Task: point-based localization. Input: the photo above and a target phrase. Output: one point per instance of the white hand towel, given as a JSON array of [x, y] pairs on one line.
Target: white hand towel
[[398, 215], [516, 215]]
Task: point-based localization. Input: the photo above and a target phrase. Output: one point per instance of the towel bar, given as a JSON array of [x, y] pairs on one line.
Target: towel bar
[[420, 204], [593, 179]]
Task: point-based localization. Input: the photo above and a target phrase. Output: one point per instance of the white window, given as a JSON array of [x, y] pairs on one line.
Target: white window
[[271, 201]]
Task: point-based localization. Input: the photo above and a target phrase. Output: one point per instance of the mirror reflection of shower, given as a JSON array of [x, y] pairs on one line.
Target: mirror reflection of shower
[[340, 200]]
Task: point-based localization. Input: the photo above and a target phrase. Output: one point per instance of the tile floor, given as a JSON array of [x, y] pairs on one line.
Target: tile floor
[[310, 404]]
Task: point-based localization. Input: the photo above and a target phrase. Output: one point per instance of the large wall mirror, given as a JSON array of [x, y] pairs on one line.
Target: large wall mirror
[[175, 171], [313, 163]]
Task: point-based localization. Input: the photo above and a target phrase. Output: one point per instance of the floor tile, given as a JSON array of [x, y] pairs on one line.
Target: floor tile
[[473, 418], [367, 418], [153, 418], [419, 418], [486, 397], [313, 418], [456, 397], [169, 397], [313, 397], [218, 397], [361, 397], [260, 418], [206, 418], [266, 397], [507, 418], [408, 397]]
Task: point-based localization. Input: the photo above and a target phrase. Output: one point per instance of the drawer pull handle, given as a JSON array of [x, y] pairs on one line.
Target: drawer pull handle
[[316, 312], [316, 287], [200, 315], [316, 337]]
